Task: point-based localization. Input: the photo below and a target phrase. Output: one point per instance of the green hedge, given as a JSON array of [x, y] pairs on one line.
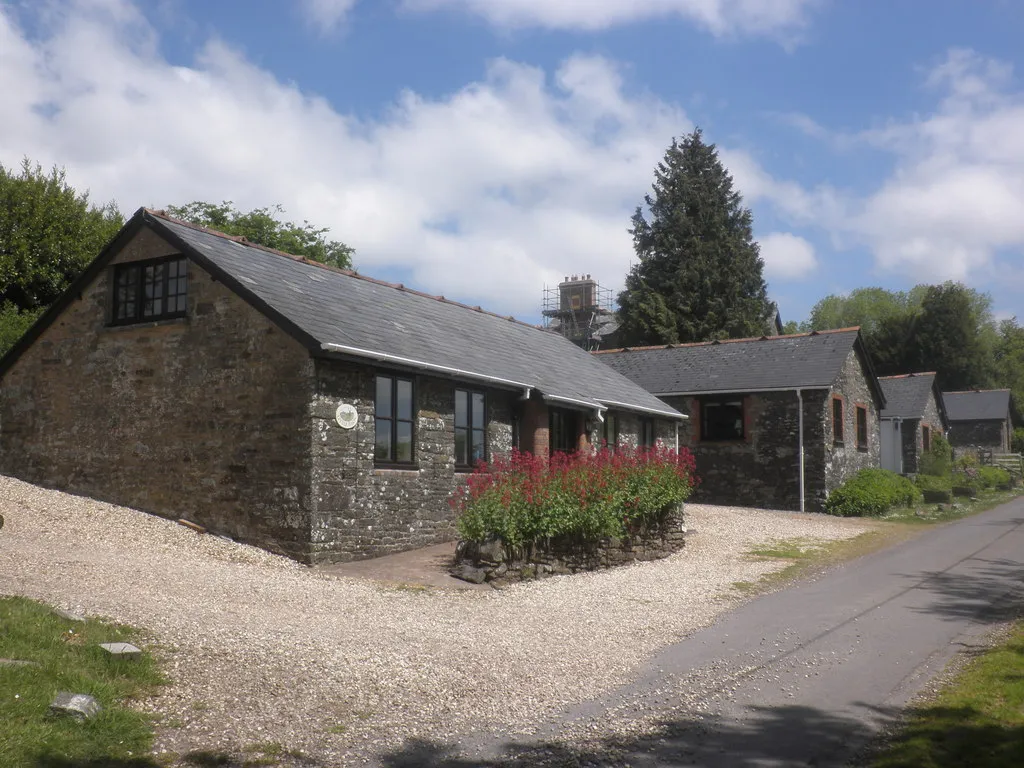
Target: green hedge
[[933, 483], [871, 492], [990, 477]]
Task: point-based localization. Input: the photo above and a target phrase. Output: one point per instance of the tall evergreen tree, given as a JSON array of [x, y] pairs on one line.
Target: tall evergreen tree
[[700, 275]]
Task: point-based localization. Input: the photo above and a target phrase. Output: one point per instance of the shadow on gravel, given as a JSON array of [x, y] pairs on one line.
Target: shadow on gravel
[[986, 596], [776, 736]]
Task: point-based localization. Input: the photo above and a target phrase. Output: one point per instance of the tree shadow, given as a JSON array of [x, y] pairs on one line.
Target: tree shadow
[[774, 736], [766, 735], [989, 596]]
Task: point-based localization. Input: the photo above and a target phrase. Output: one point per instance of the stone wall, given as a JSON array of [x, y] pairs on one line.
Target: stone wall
[[491, 562], [363, 511], [971, 437], [759, 471], [203, 417], [845, 460], [913, 434]]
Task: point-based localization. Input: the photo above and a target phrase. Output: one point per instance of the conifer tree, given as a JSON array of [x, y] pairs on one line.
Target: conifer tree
[[699, 274]]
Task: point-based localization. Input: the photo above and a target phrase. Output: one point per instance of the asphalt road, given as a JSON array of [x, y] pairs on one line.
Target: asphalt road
[[803, 677]]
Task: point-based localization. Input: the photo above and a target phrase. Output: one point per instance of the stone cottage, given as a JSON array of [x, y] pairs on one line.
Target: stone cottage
[[308, 410], [980, 421], [776, 422], [914, 413]]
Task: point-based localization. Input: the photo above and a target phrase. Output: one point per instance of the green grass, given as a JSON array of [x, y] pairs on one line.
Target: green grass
[[930, 513], [69, 660], [976, 720]]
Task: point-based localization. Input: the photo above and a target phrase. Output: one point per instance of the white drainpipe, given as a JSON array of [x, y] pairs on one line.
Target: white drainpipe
[[677, 437], [800, 429]]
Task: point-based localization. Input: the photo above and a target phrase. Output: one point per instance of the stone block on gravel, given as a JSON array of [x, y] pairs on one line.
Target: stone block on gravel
[[69, 615], [121, 650], [76, 705]]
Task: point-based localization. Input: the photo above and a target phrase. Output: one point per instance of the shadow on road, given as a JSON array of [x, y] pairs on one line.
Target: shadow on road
[[771, 736], [991, 595]]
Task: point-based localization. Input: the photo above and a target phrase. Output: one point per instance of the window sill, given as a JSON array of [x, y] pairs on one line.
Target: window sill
[[394, 467], [180, 320], [838, 444]]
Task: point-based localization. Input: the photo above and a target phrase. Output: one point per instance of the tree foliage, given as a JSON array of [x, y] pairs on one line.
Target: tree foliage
[[263, 227], [49, 232], [946, 328], [699, 274]]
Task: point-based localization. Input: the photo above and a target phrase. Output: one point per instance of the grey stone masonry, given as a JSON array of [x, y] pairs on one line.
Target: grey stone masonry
[[844, 460], [203, 417], [973, 437]]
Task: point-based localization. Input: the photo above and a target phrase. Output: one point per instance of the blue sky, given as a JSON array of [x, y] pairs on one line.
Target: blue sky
[[484, 148]]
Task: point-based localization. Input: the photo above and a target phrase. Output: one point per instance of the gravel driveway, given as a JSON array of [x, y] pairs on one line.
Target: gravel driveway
[[260, 649]]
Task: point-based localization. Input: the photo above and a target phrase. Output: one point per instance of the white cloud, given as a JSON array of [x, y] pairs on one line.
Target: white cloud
[[787, 256], [954, 200], [773, 18], [327, 14], [484, 194]]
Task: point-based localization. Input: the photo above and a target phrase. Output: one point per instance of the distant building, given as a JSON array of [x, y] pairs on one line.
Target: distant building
[[979, 420], [914, 413], [582, 311]]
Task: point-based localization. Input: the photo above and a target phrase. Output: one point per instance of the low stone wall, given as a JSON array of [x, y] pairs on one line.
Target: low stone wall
[[488, 561]]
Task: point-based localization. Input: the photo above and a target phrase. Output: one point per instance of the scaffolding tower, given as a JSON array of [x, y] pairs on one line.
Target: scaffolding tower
[[578, 308]]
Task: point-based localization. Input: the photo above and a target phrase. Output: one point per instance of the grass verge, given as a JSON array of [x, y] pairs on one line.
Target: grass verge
[[65, 657], [976, 720]]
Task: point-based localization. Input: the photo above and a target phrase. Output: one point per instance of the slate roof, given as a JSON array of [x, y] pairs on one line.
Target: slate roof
[[804, 361], [339, 312], [977, 405], [906, 396]]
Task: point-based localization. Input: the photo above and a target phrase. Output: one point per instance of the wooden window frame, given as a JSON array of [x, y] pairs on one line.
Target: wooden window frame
[[858, 410], [469, 428], [839, 438], [703, 402], [926, 438], [567, 428], [646, 437], [391, 461], [135, 272], [610, 419]]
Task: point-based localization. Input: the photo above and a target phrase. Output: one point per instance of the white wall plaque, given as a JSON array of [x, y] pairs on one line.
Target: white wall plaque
[[346, 416]]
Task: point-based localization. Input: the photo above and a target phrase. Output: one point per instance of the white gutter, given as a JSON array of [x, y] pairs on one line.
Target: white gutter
[[572, 401], [644, 409], [385, 357], [735, 391], [800, 429]]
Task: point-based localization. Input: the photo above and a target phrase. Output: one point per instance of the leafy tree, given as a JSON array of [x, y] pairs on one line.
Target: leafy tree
[[261, 226], [951, 338], [49, 232], [1009, 360], [699, 275], [867, 307]]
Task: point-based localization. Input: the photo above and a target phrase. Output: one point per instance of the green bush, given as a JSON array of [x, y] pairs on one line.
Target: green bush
[[990, 477], [938, 460], [578, 498], [871, 492], [933, 483], [1017, 443]]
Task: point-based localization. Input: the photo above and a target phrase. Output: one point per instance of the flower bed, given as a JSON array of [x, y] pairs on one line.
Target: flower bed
[[578, 511]]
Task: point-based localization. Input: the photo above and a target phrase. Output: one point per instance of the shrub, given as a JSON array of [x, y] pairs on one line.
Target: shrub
[[937, 461], [578, 497], [871, 492], [933, 483], [1017, 443], [990, 477]]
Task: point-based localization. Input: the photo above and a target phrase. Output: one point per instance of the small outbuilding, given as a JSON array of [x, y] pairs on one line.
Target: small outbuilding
[[308, 410], [980, 421], [914, 413], [777, 421]]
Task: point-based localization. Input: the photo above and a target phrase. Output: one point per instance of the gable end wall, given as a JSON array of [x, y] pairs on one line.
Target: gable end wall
[[844, 461], [203, 417]]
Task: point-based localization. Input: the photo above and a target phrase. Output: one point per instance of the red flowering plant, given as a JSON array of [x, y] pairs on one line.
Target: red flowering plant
[[581, 497]]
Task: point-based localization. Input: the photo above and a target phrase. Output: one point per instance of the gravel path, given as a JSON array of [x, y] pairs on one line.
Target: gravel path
[[260, 649]]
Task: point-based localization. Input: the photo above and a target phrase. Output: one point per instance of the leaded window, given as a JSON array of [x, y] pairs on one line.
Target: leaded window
[[862, 428], [150, 290]]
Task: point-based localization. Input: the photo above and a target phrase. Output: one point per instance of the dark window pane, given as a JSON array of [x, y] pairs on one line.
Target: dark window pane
[[461, 408], [478, 445], [461, 446], [722, 420], [478, 410], [383, 397], [403, 448], [382, 445], [404, 398]]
